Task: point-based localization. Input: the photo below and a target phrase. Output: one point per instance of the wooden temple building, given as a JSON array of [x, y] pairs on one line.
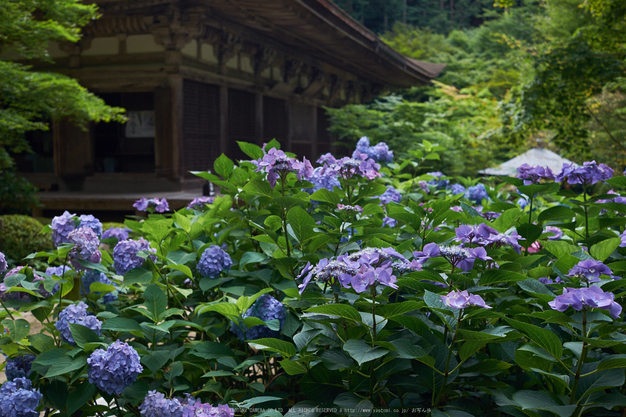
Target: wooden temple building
[[195, 77]]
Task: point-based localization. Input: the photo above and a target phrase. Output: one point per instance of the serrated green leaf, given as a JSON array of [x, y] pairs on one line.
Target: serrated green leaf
[[602, 250], [223, 166], [341, 310], [361, 352], [286, 349]]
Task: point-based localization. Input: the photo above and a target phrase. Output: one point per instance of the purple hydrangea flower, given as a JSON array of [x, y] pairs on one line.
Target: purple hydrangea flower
[[3, 263], [119, 233], [160, 204], [207, 410], [77, 314], [97, 276], [359, 165], [457, 189], [491, 215], [86, 246], [579, 298], [590, 270], [498, 240], [424, 186], [479, 234], [556, 232], [457, 256], [548, 280], [438, 182], [213, 261], [322, 179], [463, 299], [476, 193], [87, 220], [61, 227], [389, 222], [18, 367], [390, 195], [379, 152], [125, 254], [114, 369], [534, 175], [156, 405], [623, 237], [19, 399], [198, 203], [588, 173], [276, 163], [346, 207], [522, 202], [265, 308], [369, 276]]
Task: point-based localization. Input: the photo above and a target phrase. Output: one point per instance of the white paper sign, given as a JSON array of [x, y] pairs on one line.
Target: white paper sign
[[140, 124]]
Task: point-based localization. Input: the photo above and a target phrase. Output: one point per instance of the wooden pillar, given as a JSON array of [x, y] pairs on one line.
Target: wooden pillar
[[315, 137], [163, 139], [258, 119], [73, 154], [177, 126], [223, 119], [289, 125]]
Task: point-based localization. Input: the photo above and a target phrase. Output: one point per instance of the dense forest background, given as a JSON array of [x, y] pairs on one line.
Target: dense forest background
[[519, 74]]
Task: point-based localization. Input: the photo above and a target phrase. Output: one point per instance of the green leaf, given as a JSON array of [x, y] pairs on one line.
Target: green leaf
[[618, 181], [155, 360], [286, 349], [293, 367], [273, 222], [137, 276], [544, 338], [496, 276], [252, 258], [534, 286], [358, 407], [326, 196], [83, 334], [341, 310], [182, 268], [530, 232], [50, 357], [362, 352], [542, 400], [211, 350], [556, 212], [601, 381], [120, 324], [223, 166], [602, 250], [559, 248], [534, 189], [226, 309], [397, 309], [250, 149], [79, 396], [258, 187], [65, 365], [18, 329], [614, 361], [301, 223], [156, 302]]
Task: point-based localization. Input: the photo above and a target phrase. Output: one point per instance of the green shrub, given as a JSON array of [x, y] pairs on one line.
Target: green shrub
[[19, 236], [17, 195]]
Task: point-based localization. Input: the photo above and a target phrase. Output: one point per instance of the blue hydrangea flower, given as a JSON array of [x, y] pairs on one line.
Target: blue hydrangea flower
[[61, 227], [265, 308], [390, 195], [322, 179], [198, 203], [438, 182], [114, 369], [207, 410], [476, 193], [19, 399], [18, 367], [534, 175], [119, 233], [457, 189], [276, 163], [156, 405], [213, 261], [379, 152], [3, 263], [76, 313], [463, 299], [160, 204], [125, 255], [589, 173], [97, 276], [86, 248], [592, 297], [87, 220]]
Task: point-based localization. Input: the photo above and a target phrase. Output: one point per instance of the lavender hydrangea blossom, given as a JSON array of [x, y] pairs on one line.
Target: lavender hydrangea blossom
[[125, 254], [97, 276], [476, 193], [463, 299], [389, 222], [533, 175], [390, 195], [360, 165], [198, 203], [438, 182], [160, 204], [87, 220], [207, 410], [458, 256], [379, 152], [347, 207], [457, 189], [86, 246], [590, 270], [156, 405], [588, 173], [113, 370], [276, 163], [62, 226], [18, 367], [19, 399], [77, 314], [265, 308], [213, 261], [119, 233], [322, 180], [3, 263], [581, 298]]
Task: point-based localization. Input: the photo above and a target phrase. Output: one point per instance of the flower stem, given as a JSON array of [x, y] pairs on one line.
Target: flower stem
[[586, 212], [448, 358], [583, 356]]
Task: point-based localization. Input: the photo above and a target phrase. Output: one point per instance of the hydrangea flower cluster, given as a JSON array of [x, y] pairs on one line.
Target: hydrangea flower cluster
[[484, 235], [347, 207], [389, 222], [87, 220], [213, 261], [592, 297], [390, 195], [125, 254], [590, 270], [265, 308], [379, 152], [114, 369], [119, 233], [359, 270], [534, 175], [463, 299], [276, 163], [588, 173], [3, 263], [156, 405], [18, 367], [198, 203], [457, 189], [77, 314], [548, 280], [556, 232], [160, 204], [476, 193], [207, 410], [321, 179], [86, 246], [359, 165], [19, 399], [97, 276], [61, 227], [438, 183], [457, 256]]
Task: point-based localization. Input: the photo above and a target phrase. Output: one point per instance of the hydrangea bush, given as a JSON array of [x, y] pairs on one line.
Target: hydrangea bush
[[355, 287]]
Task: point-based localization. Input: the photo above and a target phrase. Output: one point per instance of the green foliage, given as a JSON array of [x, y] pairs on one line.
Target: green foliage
[[22, 235], [26, 96], [17, 195]]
